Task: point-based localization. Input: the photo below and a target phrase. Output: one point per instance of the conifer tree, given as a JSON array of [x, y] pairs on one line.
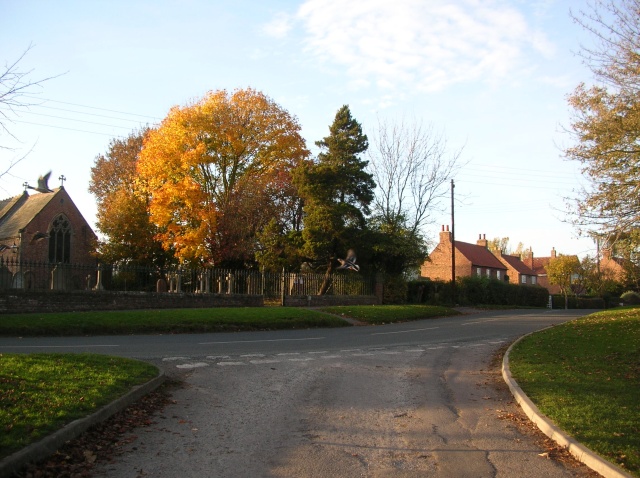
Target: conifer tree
[[337, 191]]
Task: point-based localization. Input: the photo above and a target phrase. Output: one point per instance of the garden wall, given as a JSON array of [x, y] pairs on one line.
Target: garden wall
[[21, 301], [329, 300]]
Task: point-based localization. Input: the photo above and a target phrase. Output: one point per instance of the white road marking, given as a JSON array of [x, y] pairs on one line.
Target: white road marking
[[260, 359], [55, 346], [259, 341], [193, 365], [405, 331]]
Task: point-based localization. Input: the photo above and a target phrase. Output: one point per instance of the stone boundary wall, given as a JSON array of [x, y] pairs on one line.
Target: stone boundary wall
[[329, 300], [19, 301]]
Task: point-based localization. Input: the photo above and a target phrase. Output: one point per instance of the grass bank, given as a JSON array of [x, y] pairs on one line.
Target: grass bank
[[40, 393], [222, 319], [387, 314], [585, 376]]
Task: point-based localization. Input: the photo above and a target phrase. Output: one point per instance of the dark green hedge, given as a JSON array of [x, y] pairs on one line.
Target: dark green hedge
[[477, 291], [579, 302]]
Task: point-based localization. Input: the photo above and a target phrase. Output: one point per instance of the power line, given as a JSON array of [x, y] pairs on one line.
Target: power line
[[73, 119], [68, 129], [84, 113], [93, 107]]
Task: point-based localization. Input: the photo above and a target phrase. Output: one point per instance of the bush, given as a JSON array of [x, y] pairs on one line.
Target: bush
[[590, 303], [395, 290], [477, 291], [630, 297], [574, 302], [426, 291]]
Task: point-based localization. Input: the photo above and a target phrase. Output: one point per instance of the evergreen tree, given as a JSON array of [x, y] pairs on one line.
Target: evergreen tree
[[337, 192]]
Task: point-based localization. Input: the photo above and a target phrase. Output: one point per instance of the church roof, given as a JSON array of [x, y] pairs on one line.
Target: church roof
[[17, 212]]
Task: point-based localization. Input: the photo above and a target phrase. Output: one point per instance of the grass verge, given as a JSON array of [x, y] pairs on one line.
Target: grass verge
[[375, 315], [40, 393], [221, 319], [585, 376]]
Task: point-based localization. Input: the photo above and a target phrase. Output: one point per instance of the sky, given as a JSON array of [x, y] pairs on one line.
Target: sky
[[490, 76]]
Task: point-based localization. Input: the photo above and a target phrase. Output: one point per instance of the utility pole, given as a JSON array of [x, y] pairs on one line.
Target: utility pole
[[453, 247]]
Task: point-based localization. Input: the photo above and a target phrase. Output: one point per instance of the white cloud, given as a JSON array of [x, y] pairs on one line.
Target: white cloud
[[428, 43], [279, 26]]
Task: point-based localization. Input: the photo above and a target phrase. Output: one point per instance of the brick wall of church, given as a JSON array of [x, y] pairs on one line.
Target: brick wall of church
[[82, 237]]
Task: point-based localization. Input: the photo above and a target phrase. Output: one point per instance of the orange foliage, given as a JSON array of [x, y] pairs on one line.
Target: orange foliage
[[209, 168]]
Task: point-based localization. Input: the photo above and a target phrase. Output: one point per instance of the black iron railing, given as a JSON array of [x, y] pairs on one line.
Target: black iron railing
[[30, 275]]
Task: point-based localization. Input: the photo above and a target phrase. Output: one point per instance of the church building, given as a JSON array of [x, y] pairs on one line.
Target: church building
[[41, 232]]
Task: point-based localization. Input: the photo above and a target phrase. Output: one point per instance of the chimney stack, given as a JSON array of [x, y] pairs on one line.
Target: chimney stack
[[482, 240], [445, 235]]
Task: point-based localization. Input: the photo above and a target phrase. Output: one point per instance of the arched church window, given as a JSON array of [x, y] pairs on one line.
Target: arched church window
[[60, 240]]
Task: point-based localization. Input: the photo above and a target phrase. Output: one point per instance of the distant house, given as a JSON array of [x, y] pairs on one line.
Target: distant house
[[476, 260], [613, 267], [517, 271], [539, 266], [44, 229], [471, 260]]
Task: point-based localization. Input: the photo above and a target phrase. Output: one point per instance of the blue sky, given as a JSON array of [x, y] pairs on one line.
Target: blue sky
[[491, 76]]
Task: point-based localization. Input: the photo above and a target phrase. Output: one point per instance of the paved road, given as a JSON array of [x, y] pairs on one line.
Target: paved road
[[405, 400]]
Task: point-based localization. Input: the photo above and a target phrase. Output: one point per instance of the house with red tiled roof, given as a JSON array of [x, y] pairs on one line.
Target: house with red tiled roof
[[470, 260], [517, 271], [539, 267], [613, 267]]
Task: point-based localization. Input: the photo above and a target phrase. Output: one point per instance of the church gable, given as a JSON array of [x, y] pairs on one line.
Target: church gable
[[47, 227]]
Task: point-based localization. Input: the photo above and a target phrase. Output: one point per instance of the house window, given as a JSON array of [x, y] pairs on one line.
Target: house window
[[523, 279], [533, 280], [479, 272], [498, 275], [488, 272], [60, 240]]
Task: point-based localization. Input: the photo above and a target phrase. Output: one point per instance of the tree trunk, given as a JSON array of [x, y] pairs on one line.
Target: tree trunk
[[326, 283]]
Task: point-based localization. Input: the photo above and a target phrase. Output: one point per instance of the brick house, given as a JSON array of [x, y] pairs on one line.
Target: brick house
[[475, 259], [538, 265], [613, 267], [44, 229], [471, 259], [517, 271]]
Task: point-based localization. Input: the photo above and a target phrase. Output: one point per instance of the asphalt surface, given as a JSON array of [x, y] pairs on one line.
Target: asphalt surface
[[500, 325], [413, 399]]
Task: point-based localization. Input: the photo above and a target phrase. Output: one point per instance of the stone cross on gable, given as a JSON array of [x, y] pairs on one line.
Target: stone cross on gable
[[62, 179]]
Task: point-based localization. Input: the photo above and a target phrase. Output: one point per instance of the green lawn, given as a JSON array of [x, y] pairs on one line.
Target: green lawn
[[220, 319], [40, 393], [585, 376]]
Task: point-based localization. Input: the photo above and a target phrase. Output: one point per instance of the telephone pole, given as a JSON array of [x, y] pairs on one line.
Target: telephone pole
[[453, 247]]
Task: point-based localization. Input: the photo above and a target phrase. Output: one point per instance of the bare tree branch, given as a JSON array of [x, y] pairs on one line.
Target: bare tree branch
[[15, 86], [411, 165]]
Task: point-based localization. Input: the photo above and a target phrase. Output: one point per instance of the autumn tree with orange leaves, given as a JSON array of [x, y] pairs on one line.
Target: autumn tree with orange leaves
[[122, 206], [216, 172]]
